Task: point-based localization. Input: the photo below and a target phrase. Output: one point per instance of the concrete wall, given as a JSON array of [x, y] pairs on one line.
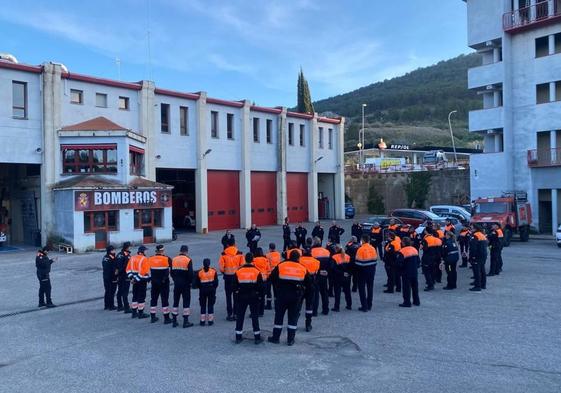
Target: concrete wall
[[447, 187], [485, 20], [264, 156]]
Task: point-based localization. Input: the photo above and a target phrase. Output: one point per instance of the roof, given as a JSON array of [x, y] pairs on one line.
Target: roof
[[101, 182], [97, 124]]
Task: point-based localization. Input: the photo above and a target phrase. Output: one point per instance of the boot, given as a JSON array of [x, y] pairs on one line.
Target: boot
[[141, 314], [174, 323], [128, 310], [275, 338], [258, 339], [239, 338], [41, 304], [308, 324], [120, 308], [210, 323], [186, 323], [268, 306], [134, 313], [290, 337], [167, 319], [50, 304], [202, 323], [153, 318]]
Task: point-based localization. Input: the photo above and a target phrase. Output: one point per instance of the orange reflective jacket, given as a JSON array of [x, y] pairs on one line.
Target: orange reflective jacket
[[395, 244], [206, 277], [159, 262], [274, 258], [247, 275], [440, 233], [432, 241], [230, 260], [181, 262], [133, 266], [479, 236], [500, 233], [450, 228], [366, 255], [263, 265], [320, 252], [339, 259], [310, 263], [408, 252], [375, 231], [292, 271]]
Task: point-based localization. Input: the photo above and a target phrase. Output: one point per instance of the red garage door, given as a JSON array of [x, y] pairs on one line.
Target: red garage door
[[223, 200], [297, 198], [264, 198]]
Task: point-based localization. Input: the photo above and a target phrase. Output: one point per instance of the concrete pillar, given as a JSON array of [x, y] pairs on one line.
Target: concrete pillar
[[245, 173], [339, 203], [415, 158], [551, 42], [282, 202], [52, 109], [201, 183], [496, 55], [553, 145], [313, 175], [550, 7], [554, 211], [532, 13], [498, 143], [552, 92], [148, 128], [496, 99]]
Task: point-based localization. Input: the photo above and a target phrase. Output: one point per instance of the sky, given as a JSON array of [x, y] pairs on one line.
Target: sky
[[237, 49]]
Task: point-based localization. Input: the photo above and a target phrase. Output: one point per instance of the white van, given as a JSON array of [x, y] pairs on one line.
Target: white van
[[451, 211]]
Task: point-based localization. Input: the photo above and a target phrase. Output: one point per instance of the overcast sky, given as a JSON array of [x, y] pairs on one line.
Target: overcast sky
[[238, 49]]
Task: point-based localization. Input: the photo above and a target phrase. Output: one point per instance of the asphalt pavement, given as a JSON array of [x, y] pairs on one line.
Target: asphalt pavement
[[504, 339]]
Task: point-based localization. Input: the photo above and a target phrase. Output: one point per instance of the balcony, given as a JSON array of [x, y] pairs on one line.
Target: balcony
[[486, 119], [485, 75], [542, 158], [539, 14]]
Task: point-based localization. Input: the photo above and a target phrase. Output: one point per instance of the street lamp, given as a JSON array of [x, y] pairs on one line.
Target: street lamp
[[361, 138], [452, 136]]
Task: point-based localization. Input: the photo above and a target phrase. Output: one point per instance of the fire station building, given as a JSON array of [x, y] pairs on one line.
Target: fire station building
[[90, 161]]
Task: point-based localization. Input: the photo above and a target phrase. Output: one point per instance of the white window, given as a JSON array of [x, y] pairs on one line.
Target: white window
[[256, 131], [124, 103], [301, 134], [269, 131], [76, 96], [101, 100], [214, 124], [19, 100], [330, 138], [291, 134], [321, 137]]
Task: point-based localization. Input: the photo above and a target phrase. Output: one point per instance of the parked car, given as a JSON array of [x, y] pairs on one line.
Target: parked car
[[451, 211], [349, 210], [558, 236], [414, 217], [384, 222]]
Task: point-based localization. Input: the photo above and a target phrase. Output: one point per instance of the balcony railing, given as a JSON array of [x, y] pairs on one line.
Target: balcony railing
[[528, 17], [544, 157]]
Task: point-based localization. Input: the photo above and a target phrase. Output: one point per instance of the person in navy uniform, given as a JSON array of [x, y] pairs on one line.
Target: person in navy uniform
[[300, 233], [43, 264]]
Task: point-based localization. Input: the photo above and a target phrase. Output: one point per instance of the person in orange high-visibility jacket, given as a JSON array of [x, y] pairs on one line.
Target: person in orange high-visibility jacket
[[230, 261], [206, 280], [326, 264], [463, 240], [342, 278], [292, 282], [249, 289], [477, 257], [449, 227], [312, 297], [274, 258], [138, 283], [292, 247], [408, 263], [437, 272], [182, 274], [365, 262], [262, 263], [390, 256], [159, 273], [141, 281], [432, 248], [496, 245]]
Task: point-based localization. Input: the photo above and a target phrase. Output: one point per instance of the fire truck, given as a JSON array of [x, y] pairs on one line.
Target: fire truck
[[511, 211]]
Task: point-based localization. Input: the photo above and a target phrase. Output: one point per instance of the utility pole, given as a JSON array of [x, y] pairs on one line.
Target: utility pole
[[452, 136]]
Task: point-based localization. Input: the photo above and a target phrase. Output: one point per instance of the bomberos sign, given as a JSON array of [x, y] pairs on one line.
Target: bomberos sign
[[121, 199]]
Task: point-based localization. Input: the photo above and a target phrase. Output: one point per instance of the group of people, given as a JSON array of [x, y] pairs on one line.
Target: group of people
[[305, 273]]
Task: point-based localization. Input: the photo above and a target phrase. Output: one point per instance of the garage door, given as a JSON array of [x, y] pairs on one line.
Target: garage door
[[297, 196], [264, 198], [223, 200]]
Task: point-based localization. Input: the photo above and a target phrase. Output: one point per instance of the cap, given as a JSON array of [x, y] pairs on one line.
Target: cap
[[376, 224], [184, 248], [160, 247], [126, 245], [109, 248], [142, 249]]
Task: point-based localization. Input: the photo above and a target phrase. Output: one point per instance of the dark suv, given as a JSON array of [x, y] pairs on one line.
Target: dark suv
[[414, 217]]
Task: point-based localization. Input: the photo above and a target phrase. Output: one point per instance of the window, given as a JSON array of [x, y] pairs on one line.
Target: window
[[76, 96], [101, 100], [229, 126], [256, 132], [136, 161], [124, 103], [214, 124], [269, 131], [301, 135], [542, 46], [557, 39], [542, 93], [144, 218], [19, 100], [557, 91], [101, 221], [183, 120], [321, 137], [164, 117], [330, 138], [89, 159], [291, 134]]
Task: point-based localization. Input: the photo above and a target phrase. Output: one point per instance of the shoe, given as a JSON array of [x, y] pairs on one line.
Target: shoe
[[483, 287], [112, 308], [314, 314], [142, 315], [472, 283], [230, 318], [386, 285], [134, 313], [308, 328], [349, 307], [174, 323], [290, 342], [398, 290], [335, 309], [363, 309], [186, 323], [167, 319], [239, 338], [388, 291], [41, 305], [427, 289], [273, 340], [490, 275], [475, 289], [369, 308], [258, 340], [325, 312], [472, 278], [153, 318], [447, 288], [202, 323], [404, 305], [417, 304], [127, 311], [210, 323], [51, 305], [120, 308]]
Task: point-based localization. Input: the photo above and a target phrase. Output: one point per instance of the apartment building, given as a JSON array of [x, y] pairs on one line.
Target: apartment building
[[519, 82]]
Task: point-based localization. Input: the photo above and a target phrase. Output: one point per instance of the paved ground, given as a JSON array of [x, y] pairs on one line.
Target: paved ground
[[505, 339]]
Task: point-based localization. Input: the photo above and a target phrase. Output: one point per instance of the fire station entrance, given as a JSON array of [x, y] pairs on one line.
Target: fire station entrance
[[20, 193], [326, 196], [184, 208], [546, 210]]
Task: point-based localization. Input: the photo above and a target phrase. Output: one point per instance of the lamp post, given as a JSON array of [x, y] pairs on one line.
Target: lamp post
[[452, 136], [361, 139]]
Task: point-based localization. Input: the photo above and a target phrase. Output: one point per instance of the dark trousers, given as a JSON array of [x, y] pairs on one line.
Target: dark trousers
[[366, 276], [322, 285], [479, 275], [230, 297], [159, 290], [436, 272], [44, 290], [410, 286], [311, 299], [123, 293], [268, 291], [342, 283], [252, 246], [206, 301], [282, 306], [286, 244], [139, 292], [388, 274], [300, 242], [428, 270], [394, 279], [179, 292], [330, 285], [263, 299], [110, 288], [464, 249], [242, 304], [495, 261], [451, 275]]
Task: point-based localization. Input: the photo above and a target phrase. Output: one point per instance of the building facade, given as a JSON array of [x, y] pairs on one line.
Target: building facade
[[519, 81], [91, 161]]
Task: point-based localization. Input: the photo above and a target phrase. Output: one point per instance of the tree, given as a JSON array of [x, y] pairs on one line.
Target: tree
[[375, 201], [417, 188], [304, 97]]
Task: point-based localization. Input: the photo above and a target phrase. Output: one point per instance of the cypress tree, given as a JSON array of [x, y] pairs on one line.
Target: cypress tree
[[304, 97]]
